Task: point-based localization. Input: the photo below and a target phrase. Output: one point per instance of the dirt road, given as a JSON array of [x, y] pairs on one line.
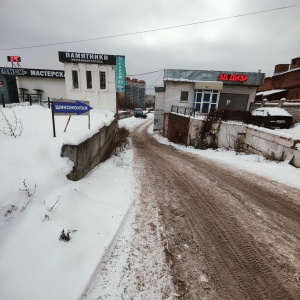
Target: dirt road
[[226, 234]]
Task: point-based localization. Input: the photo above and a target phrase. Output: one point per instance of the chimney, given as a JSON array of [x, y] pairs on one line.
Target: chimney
[[281, 68], [295, 63]]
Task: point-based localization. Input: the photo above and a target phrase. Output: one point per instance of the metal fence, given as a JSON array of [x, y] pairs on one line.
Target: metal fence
[[216, 115], [184, 110]]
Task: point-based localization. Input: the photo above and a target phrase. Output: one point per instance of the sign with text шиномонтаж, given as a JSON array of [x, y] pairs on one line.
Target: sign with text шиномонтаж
[[70, 107]]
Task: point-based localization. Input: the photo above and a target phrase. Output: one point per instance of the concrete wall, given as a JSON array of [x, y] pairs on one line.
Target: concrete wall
[[255, 140], [88, 153], [99, 98]]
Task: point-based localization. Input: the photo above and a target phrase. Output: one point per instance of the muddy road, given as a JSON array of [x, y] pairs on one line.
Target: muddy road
[[227, 234]]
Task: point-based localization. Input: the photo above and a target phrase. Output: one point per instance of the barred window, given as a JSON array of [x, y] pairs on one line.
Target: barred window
[[89, 84], [75, 79], [102, 80]]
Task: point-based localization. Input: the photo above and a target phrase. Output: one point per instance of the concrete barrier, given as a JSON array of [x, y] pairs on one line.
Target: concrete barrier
[[88, 151], [257, 140]]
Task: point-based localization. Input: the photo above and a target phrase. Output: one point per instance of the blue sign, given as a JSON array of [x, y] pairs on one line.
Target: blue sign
[[120, 74], [70, 107]]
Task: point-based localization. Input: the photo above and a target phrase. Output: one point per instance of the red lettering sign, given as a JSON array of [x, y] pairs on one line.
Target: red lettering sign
[[232, 77], [14, 58]]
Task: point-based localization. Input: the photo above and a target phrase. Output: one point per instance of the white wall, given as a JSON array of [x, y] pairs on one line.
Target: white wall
[[98, 98], [173, 93], [52, 87], [159, 100]]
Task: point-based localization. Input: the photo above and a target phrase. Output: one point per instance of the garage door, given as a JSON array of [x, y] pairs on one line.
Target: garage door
[[233, 101]]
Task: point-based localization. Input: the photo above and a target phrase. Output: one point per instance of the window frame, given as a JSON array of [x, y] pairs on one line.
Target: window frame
[[73, 72], [212, 101], [89, 81], [181, 96], [101, 81]]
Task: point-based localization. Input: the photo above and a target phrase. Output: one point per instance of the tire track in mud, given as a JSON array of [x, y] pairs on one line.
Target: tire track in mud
[[199, 198]]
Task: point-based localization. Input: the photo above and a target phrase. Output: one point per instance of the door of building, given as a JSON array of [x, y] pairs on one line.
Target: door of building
[[233, 101]]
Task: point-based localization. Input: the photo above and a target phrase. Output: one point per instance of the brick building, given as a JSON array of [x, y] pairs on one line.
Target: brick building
[[285, 83], [135, 91]]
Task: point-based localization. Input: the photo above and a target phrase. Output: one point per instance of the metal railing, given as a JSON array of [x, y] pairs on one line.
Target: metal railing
[[184, 110]]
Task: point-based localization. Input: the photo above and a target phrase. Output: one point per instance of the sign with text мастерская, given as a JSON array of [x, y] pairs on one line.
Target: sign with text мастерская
[[32, 72], [89, 58]]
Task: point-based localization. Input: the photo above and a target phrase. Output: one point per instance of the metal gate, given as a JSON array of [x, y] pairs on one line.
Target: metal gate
[[158, 120]]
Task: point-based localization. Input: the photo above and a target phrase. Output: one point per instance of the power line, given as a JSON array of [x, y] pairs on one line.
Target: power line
[[154, 30], [145, 73], [155, 80]]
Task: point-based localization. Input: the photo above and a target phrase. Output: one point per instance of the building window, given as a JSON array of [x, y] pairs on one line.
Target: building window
[[206, 101], [184, 96], [75, 79], [89, 84], [102, 80]]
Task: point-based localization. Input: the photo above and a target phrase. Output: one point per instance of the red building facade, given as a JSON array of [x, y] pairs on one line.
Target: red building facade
[[285, 83]]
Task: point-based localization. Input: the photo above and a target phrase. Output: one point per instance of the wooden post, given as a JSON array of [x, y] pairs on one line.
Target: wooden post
[[2, 99], [117, 106], [67, 123]]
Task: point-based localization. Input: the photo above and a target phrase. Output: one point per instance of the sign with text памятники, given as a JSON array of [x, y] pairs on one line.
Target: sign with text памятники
[[69, 107]]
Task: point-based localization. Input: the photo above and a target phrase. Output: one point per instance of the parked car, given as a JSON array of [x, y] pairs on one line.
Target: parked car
[[271, 117], [138, 113]]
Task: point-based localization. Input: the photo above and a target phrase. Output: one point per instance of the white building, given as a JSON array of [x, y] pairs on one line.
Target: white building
[[201, 91], [94, 77], [37, 85]]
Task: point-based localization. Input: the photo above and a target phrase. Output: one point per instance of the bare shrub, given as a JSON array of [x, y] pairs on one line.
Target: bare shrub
[[10, 211], [13, 128], [121, 143], [28, 193], [55, 205], [270, 155], [207, 137], [64, 237]]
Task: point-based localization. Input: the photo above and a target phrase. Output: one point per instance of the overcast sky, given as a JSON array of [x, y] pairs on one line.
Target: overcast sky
[[246, 43]]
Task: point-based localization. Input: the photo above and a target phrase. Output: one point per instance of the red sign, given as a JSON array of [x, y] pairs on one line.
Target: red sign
[[1, 83], [14, 58], [232, 77]]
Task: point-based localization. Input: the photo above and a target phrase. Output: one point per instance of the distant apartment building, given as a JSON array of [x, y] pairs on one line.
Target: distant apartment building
[[135, 91]]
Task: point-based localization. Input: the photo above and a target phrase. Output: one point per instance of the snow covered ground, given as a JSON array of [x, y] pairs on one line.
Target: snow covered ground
[[37, 202]]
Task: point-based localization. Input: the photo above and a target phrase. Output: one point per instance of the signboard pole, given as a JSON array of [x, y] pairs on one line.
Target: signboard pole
[[117, 106], [89, 120], [53, 120], [67, 123]]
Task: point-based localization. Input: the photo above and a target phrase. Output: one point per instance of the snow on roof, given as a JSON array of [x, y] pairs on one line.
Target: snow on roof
[[178, 79], [288, 71], [274, 111], [269, 92]]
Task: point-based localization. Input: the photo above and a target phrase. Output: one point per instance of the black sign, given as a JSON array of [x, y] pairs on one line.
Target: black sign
[[89, 58], [32, 72]]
